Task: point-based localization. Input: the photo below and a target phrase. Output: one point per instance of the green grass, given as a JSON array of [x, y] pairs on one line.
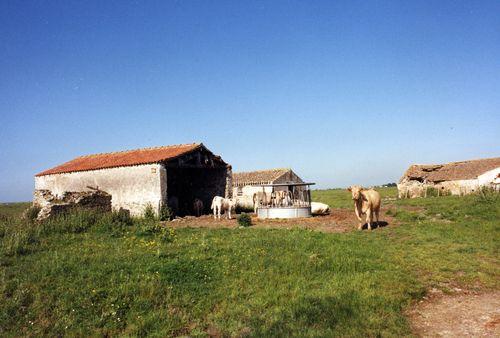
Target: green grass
[[99, 280], [8, 210], [341, 198]]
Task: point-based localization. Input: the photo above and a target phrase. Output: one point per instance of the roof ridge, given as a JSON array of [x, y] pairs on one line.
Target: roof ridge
[[457, 162], [140, 149], [262, 170]]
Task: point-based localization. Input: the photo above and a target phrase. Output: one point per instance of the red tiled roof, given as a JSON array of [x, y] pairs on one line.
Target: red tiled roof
[[122, 158]]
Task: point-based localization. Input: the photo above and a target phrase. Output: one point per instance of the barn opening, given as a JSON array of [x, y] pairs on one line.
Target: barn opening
[[196, 175], [187, 184]]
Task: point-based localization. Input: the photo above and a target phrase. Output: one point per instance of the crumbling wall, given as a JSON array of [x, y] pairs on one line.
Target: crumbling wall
[[414, 189], [411, 189], [132, 188], [51, 205], [445, 179]]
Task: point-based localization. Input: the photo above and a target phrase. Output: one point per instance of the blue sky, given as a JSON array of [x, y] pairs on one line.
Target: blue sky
[[343, 92]]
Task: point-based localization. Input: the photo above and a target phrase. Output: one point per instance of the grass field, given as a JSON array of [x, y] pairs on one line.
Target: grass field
[[89, 274]]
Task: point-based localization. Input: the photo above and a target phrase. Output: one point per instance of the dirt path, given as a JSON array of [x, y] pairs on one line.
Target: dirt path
[[464, 315], [339, 220]]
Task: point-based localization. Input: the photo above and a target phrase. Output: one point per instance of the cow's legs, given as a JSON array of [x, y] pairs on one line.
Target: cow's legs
[[356, 211], [369, 216], [376, 215]]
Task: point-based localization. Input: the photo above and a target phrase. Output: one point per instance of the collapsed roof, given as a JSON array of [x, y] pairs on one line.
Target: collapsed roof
[[465, 170]]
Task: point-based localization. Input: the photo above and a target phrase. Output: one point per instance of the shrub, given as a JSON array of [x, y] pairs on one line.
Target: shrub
[[487, 194], [2, 230], [149, 212], [165, 213], [115, 222], [167, 234], [432, 192], [121, 218], [244, 220], [148, 227], [31, 213]]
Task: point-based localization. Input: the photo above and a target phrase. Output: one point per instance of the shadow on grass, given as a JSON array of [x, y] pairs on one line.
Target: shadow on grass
[[375, 225], [321, 313]]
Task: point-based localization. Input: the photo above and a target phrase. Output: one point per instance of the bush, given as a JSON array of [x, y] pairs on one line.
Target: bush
[[244, 220], [148, 227], [149, 212], [488, 195], [2, 229], [167, 234], [115, 222], [121, 218], [165, 213], [31, 213], [432, 192]]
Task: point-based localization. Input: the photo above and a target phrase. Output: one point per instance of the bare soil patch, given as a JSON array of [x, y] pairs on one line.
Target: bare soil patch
[[339, 220], [462, 315]]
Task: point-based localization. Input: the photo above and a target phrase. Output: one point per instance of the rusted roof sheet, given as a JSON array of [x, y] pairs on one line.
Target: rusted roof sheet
[[122, 158], [465, 170], [258, 177]]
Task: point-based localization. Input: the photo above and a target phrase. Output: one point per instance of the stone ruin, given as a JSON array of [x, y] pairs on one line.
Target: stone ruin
[[54, 205]]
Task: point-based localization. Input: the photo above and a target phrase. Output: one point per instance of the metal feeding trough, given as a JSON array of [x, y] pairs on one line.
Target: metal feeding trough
[[285, 200]]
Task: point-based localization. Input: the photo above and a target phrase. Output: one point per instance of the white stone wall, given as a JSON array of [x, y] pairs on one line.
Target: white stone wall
[[246, 199], [463, 187], [412, 189], [489, 177], [131, 188]]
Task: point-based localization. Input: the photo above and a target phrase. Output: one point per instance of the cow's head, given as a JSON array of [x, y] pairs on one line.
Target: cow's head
[[356, 191]]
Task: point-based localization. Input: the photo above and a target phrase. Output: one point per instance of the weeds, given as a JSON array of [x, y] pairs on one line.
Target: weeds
[[244, 220], [31, 213], [165, 213], [149, 213]]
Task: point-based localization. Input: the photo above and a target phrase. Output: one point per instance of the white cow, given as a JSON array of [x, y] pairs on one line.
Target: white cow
[[261, 198], [319, 208], [221, 204]]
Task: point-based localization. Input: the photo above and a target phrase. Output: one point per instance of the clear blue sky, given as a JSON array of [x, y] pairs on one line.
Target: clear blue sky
[[343, 92]]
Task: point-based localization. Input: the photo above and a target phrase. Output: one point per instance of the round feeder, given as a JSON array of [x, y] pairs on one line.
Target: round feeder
[[285, 200]]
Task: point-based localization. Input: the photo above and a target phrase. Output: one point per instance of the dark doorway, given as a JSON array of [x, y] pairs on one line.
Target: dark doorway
[[186, 184]]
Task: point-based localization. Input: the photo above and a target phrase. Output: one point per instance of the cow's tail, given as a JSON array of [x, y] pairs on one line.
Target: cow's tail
[[213, 204]]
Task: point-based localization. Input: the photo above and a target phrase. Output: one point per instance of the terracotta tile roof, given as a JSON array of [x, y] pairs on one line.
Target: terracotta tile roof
[[258, 177], [122, 158], [464, 170]]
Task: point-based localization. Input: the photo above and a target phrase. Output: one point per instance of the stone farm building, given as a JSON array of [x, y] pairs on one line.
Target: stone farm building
[[137, 178], [455, 178], [245, 184]]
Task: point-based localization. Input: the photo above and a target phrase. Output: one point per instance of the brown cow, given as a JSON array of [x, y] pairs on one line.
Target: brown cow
[[366, 201], [198, 207]]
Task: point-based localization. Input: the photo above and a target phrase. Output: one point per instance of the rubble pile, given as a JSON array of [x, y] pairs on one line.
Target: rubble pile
[[53, 205]]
